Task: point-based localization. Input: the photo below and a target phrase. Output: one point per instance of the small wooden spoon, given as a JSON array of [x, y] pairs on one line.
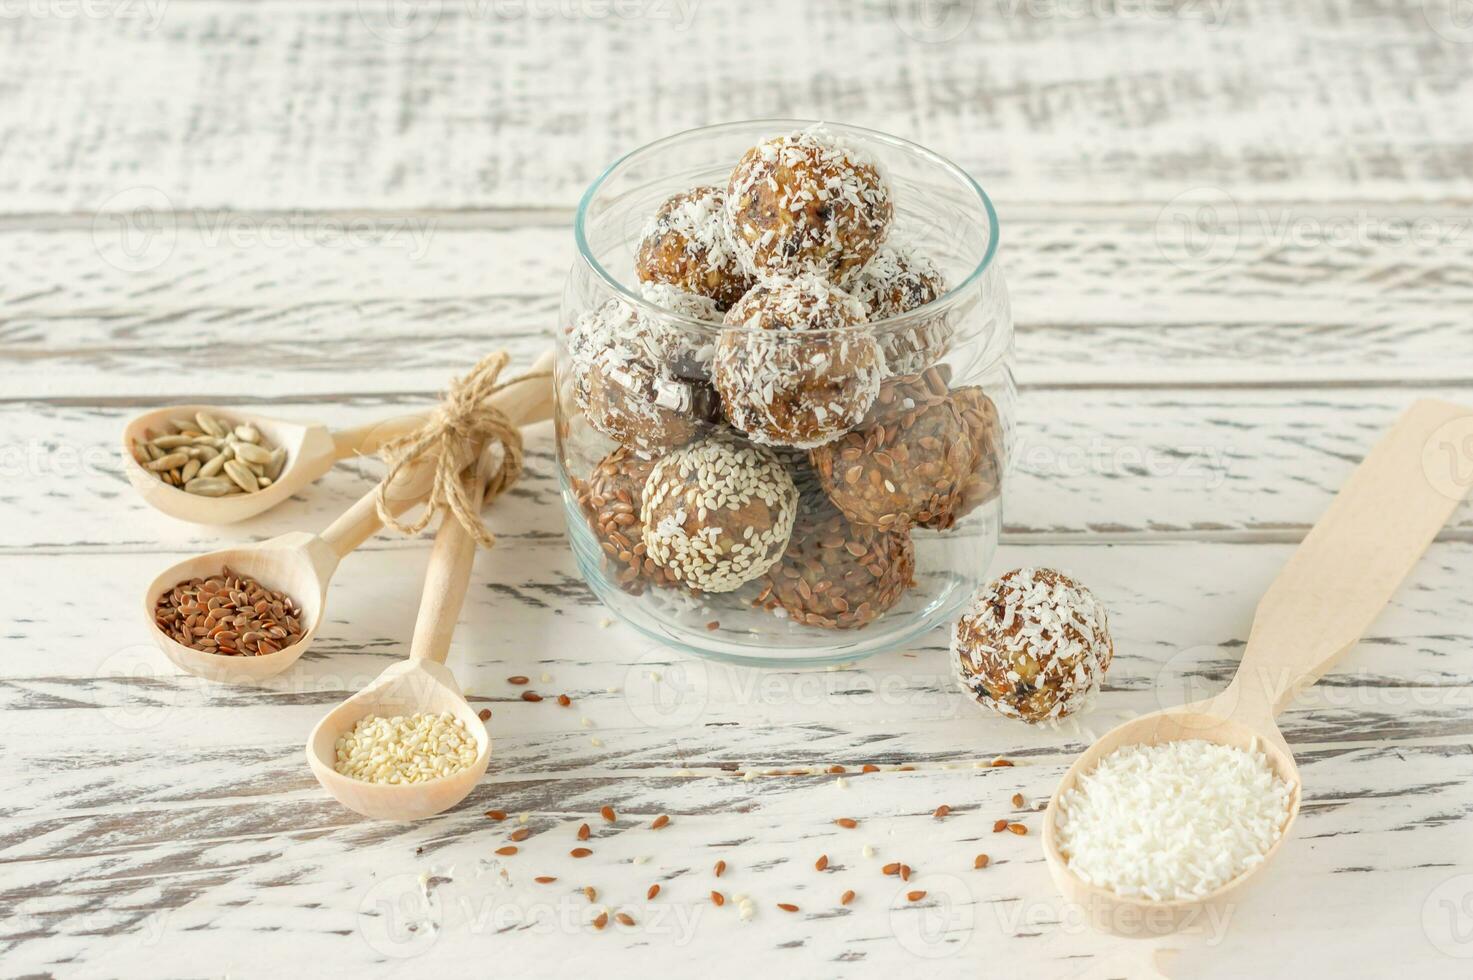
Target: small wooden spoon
[[301, 564], [1334, 585], [311, 450], [421, 684]]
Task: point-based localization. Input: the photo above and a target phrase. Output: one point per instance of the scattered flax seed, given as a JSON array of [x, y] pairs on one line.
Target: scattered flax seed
[[1000, 762], [624, 918], [941, 811], [714, 625], [787, 906], [847, 897], [905, 872], [520, 834], [564, 700], [506, 851], [980, 861], [893, 868], [580, 852], [870, 768], [1017, 799], [531, 696], [915, 896], [607, 813], [654, 890], [905, 768], [720, 867], [999, 826], [583, 832], [590, 893], [484, 714], [601, 921], [848, 823], [659, 822], [837, 769], [1018, 829], [821, 863], [517, 679], [497, 815], [718, 899], [544, 879]]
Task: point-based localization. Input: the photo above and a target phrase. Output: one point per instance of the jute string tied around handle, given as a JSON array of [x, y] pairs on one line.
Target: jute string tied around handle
[[464, 423]]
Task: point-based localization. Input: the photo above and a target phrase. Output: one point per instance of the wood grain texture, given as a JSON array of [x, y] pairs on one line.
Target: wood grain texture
[[283, 105]]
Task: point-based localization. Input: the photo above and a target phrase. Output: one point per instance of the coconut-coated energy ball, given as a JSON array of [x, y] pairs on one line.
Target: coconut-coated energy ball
[[639, 379], [906, 464], [807, 202], [688, 244], [718, 513], [1033, 644], [836, 574], [898, 281], [793, 366], [610, 499]]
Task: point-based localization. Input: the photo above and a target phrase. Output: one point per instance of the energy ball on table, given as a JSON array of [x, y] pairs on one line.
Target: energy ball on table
[[807, 202], [791, 367], [639, 379], [908, 461], [688, 244], [836, 574], [898, 281], [611, 501], [1034, 644], [717, 514]]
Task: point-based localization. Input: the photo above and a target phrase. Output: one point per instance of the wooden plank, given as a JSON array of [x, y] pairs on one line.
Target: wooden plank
[[403, 303], [284, 105]]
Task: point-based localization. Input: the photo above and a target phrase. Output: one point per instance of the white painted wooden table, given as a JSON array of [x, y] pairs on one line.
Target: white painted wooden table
[[1239, 242]]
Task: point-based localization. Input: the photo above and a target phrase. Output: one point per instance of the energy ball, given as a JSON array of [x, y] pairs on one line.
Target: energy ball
[[718, 514], [688, 244], [638, 379], [1034, 644], [836, 574], [807, 202], [611, 501], [983, 481], [906, 464], [791, 367], [898, 281]]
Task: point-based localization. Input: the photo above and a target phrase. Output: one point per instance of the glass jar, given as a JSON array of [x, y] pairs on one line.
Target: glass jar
[[822, 601]]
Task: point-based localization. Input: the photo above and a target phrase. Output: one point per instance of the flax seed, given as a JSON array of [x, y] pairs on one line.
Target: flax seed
[[659, 822], [580, 852], [980, 861], [601, 920], [821, 863], [624, 918], [720, 867], [787, 906], [941, 811], [1018, 829], [497, 815], [847, 823], [654, 890], [506, 851], [521, 834], [846, 898], [915, 896], [999, 826], [718, 899], [544, 879], [531, 696]]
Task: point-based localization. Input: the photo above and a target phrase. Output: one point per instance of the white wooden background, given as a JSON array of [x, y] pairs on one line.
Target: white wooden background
[[326, 208]]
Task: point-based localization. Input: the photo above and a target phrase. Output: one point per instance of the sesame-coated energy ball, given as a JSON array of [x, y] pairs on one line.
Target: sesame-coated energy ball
[[638, 379], [717, 514], [807, 202], [1034, 644], [611, 501], [688, 244], [895, 282], [792, 368], [836, 574], [906, 464]]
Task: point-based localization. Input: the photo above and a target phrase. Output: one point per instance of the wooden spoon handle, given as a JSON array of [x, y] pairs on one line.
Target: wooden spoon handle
[[449, 575], [1353, 559]]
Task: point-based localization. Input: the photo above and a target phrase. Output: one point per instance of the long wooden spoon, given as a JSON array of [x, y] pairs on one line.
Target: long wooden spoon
[[302, 564], [421, 684], [1347, 568]]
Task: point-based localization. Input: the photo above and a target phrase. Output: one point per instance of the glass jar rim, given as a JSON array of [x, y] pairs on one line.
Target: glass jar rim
[[946, 299]]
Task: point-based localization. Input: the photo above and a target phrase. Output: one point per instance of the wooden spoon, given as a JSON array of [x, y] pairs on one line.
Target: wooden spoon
[[311, 450], [421, 684], [301, 564], [1334, 585]]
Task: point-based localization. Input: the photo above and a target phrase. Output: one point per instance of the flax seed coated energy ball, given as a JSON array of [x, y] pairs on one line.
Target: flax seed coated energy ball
[[836, 574], [807, 202], [688, 244], [639, 379], [1034, 644], [718, 513], [792, 368], [611, 500], [983, 426], [898, 281], [906, 464]]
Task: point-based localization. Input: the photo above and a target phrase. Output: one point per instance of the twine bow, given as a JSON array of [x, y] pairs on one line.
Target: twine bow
[[461, 427]]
